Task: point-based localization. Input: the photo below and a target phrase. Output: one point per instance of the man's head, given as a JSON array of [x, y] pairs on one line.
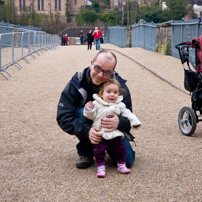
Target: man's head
[[102, 66]]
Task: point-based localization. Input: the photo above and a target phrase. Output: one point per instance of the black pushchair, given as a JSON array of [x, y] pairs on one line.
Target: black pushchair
[[189, 116]]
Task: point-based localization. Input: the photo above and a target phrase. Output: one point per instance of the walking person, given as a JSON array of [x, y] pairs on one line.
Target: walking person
[[63, 40], [97, 35], [90, 39], [81, 35], [66, 39]]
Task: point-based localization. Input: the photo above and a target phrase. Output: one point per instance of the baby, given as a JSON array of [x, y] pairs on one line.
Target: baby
[[108, 102]]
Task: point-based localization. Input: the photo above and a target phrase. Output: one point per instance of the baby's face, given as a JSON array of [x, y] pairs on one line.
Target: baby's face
[[111, 93]]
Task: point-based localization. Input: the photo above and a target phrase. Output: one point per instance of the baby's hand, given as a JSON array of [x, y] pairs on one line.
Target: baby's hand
[[89, 104]]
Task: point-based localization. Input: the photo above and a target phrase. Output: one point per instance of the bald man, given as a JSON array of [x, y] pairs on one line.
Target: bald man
[[77, 93]]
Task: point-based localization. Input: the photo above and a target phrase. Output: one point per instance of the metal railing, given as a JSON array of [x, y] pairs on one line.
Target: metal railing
[[6, 27], [15, 46], [144, 35], [183, 31], [116, 35]]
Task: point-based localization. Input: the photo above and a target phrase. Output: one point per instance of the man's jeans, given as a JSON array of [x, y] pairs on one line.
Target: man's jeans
[[97, 44], [81, 40], [85, 147]]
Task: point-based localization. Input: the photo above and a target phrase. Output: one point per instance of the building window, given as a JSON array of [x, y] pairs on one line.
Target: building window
[[20, 5], [115, 2], [138, 1], [60, 5], [39, 5], [24, 5], [124, 2], [42, 5], [56, 5], [75, 2]]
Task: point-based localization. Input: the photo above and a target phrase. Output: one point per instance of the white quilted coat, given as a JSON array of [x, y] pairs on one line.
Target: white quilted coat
[[102, 109]]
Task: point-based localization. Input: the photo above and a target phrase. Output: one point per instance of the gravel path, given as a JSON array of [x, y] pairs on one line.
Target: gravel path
[[37, 159]]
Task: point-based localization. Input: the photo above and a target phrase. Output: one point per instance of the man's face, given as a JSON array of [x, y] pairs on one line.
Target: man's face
[[103, 63]]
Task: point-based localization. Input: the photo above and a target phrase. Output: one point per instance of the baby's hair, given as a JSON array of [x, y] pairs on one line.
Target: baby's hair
[[111, 81]]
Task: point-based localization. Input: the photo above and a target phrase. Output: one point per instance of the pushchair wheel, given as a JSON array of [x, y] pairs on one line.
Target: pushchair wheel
[[187, 121]]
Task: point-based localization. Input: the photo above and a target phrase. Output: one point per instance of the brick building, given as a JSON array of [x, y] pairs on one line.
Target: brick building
[[197, 2], [121, 3], [47, 6], [53, 6]]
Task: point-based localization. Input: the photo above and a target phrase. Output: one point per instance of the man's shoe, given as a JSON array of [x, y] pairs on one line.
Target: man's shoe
[[83, 162]]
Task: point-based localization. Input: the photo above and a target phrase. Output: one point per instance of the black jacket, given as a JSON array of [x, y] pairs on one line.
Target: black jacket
[[75, 96], [90, 37]]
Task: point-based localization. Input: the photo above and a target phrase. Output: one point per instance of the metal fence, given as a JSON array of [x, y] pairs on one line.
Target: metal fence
[[116, 35], [144, 35], [15, 46], [183, 31], [6, 27]]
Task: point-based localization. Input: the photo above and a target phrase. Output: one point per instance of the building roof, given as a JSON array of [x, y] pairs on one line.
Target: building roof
[[198, 2]]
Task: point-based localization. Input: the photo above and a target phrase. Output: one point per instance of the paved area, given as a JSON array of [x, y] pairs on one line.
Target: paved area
[[37, 159]]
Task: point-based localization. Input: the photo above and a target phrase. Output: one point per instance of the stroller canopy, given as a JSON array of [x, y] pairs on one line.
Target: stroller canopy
[[197, 44]]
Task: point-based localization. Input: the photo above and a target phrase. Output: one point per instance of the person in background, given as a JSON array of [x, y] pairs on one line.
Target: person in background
[[97, 35], [63, 40], [81, 35], [66, 39], [90, 39]]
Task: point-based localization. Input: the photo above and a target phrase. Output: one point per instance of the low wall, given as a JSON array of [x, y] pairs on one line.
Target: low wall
[[72, 41]]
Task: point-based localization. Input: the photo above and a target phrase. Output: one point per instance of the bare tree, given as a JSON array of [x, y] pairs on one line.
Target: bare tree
[[131, 10]]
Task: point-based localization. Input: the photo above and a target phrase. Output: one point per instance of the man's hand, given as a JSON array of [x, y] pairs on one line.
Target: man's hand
[[94, 135], [111, 122]]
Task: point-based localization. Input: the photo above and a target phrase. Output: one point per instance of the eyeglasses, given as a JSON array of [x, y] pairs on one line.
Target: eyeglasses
[[99, 70]]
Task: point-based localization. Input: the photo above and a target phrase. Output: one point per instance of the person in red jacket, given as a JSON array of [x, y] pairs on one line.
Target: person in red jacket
[[97, 35], [66, 39]]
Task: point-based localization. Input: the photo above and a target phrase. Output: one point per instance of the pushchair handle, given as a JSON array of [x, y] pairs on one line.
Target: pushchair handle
[[183, 49], [183, 44]]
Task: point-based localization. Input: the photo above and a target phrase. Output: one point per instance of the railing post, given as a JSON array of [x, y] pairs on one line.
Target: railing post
[[0, 53], [22, 43], [34, 41], [13, 47], [198, 28], [29, 43]]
